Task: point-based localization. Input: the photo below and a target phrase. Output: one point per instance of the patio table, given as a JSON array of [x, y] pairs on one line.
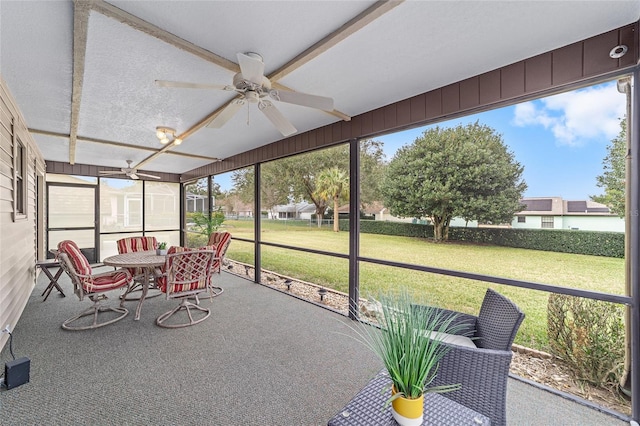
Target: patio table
[[367, 408], [146, 260]]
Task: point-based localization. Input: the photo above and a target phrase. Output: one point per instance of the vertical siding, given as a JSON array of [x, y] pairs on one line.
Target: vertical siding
[[18, 238]]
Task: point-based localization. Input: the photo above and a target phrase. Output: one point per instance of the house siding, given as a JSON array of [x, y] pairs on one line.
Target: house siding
[[18, 244]]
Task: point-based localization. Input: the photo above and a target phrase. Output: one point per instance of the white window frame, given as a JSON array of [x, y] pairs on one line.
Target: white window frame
[[20, 178]]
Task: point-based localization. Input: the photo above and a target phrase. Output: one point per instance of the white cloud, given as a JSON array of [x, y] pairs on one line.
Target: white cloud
[[576, 117]]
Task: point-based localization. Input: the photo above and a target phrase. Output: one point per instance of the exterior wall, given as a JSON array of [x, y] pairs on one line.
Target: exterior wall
[[461, 223], [582, 223], [531, 222], [597, 223], [18, 243]]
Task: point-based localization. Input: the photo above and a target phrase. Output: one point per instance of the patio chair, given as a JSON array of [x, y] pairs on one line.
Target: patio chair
[[133, 244], [90, 285], [185, 275], [480, 356], [220, 242]]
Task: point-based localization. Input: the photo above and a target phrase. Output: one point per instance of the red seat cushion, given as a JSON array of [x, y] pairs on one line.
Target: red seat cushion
[[90, 283], [109, 282], [79, 261], [161, 282], [220, 241], [132, 244]]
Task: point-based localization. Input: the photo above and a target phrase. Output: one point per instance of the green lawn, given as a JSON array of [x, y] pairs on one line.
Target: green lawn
[[569, 270]]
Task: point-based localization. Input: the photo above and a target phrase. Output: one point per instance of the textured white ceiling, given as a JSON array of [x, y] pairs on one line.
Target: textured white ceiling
[[414, 48]]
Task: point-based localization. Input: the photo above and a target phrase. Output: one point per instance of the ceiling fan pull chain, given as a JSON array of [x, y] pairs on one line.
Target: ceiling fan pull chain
[[248, 114]]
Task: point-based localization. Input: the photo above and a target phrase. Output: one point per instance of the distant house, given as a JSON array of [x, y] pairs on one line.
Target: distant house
[[302, 210], [368, 211], [556, 213], [541, 213]]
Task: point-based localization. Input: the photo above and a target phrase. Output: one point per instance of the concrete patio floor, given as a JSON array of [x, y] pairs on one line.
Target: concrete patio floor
[[262, 358]]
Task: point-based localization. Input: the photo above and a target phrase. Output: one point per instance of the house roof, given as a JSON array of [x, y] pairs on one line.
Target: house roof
[[83, 72], [556, 206], [301, 207]]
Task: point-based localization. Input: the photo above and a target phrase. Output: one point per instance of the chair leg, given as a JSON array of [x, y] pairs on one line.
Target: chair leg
[[187, 306], [94, 310], [212, 292]]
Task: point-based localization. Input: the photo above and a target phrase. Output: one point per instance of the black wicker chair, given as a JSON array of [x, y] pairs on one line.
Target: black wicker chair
[[483, 370]]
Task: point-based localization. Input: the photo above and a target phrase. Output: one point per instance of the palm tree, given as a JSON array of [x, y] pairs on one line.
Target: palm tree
[[333, 184]]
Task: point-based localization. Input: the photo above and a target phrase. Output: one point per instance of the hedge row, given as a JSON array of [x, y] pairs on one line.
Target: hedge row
[[608, 244]]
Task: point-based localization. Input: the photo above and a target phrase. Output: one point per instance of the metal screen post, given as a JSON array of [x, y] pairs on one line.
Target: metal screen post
[[354, 227], [633, 124], [257, 224]]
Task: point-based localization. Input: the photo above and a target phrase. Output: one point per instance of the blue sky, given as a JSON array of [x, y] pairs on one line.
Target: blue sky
[[560, 140]]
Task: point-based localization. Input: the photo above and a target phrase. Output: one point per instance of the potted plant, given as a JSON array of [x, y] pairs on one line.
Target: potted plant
[[410, 345], [162, 249]]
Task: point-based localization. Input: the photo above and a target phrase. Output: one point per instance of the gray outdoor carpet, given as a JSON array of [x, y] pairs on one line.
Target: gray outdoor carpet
[[262, 358]]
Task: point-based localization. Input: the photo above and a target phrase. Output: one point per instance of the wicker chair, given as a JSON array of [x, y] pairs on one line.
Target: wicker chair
[[130, 245], [482, 365], [93, 286], [185, 275]]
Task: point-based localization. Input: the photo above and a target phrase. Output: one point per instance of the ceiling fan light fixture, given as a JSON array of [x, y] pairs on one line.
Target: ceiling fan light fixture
[[165, 133]]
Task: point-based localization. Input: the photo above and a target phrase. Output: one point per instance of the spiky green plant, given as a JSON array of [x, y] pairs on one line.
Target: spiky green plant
[[403, 344]]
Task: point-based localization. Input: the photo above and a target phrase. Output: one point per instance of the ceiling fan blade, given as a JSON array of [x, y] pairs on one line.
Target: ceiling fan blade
[[226, 114], [185, 85], [304, 99], [109, 173], [133, 176], [148, 176], [252, 69], [276, 117]]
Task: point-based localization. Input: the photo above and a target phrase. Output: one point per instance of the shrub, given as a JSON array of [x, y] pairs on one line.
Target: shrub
[[594, 243], [589, 336]]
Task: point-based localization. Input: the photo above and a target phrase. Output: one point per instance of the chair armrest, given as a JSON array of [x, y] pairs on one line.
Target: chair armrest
[[482, 374]]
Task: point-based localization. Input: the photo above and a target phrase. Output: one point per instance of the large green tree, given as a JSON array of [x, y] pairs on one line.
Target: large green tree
[[294, 179], [333, 184], [464, 171], [612, 179]]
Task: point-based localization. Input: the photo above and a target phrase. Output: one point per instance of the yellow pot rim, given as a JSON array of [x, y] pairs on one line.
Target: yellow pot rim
[[408, 407]]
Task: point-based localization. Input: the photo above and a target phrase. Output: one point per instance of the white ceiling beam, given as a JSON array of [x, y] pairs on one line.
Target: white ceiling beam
[[351, 27], [118, 144], [81, 10], [136, 23]]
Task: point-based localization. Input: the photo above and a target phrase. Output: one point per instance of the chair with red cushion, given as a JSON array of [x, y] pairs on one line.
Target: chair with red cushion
[[90, 285], [185, 275], [133, 244], [220, 242]]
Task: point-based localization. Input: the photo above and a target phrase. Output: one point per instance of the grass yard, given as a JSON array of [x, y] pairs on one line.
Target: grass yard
[[569, 270]]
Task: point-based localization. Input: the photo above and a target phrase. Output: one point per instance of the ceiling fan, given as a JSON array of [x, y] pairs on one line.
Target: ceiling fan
[[130, 172], [253, 87]]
